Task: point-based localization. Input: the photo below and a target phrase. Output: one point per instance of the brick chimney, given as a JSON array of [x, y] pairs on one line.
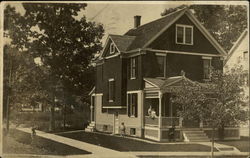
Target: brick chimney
[[137, 21]]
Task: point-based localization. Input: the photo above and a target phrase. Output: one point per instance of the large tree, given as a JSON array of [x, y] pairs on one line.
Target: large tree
[[61, 38], [224, 22], [218, 103]]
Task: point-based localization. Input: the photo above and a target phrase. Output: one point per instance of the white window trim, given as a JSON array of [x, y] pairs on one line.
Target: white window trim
[[130, 93], [162, 55], [112, 48], [184, 33], [111, 80], [134, 77], [208, 58]]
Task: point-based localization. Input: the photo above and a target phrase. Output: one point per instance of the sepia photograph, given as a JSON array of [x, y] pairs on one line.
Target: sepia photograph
[[124, 79]]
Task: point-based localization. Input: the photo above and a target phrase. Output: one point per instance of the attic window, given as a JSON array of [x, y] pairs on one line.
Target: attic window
[[184, 34], [112, 48]]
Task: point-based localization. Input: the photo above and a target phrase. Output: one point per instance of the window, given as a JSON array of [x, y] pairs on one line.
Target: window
[[112, 48], [184, 34], [111, 90], [206, 67], [133, 65], [245, 55], [161, 65], [132, 104], [132, 131]]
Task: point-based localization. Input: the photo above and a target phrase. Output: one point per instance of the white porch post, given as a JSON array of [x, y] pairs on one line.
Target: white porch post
[[180, 121], [201, 123], [160, 116]]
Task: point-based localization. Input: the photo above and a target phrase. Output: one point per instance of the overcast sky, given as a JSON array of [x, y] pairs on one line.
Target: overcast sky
[[118, 17]]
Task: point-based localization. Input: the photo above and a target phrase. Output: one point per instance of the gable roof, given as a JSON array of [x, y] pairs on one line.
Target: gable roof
[[122, 42], [146, 32], [236, 45]]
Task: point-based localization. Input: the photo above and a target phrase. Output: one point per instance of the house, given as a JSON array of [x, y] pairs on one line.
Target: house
[[135, 72], [239, 56]]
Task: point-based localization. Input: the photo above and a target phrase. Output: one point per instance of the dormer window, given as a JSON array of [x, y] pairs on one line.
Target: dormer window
[[112, 48], [184, 34]]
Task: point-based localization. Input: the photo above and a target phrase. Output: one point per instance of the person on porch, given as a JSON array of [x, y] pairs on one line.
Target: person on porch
[[153, 113], [149, 110]]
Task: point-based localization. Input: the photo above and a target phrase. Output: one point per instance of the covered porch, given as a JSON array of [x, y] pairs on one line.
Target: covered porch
[[157, 94]]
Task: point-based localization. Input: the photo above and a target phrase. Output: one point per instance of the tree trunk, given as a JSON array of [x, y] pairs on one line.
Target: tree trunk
[[52, 115], [212, 147]]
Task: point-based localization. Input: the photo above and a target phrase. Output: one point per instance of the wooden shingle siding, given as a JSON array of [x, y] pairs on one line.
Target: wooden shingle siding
[[166, 41], [192, 65]]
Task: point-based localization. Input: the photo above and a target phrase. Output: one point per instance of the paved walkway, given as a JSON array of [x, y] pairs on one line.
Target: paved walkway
[[101, 152], [98, 151]]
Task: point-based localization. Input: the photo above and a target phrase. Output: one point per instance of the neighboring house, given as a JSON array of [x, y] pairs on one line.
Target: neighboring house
[[239, 56], [136, 71]]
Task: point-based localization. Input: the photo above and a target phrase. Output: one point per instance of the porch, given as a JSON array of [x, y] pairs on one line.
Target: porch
[[157, 98]]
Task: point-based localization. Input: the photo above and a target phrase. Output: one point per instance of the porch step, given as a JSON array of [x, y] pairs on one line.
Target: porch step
[[195, 136], [91, 127]]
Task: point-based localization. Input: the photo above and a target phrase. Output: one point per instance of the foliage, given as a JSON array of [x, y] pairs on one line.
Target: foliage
[[219, 102], [64, 43], [224, 22]]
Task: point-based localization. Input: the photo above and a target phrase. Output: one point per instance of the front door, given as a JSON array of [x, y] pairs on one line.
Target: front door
[[116, 123]]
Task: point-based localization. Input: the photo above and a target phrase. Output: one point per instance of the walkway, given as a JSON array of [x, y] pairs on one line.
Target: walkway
[[101, 152]]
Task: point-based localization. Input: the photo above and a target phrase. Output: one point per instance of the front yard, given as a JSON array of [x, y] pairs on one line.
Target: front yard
[[126, 144], [18, 142]]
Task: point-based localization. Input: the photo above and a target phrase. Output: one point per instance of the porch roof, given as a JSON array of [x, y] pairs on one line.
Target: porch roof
[[163, 84]]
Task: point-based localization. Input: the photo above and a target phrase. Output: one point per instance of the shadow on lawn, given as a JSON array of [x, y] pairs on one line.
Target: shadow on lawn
[[242, 144], [125, 144], [43, 143]]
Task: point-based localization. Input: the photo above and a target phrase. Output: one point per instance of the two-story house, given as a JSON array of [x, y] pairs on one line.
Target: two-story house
[[136, 71]]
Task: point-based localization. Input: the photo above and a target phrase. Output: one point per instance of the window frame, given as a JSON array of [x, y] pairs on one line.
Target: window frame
[[209, 67], [112, 48], [165, 62], [132, 104], [109, 88], [184, 34], [133, 66]]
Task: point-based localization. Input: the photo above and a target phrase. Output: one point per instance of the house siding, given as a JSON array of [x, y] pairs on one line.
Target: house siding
[[166, 41], [135, 84], [112, 68]]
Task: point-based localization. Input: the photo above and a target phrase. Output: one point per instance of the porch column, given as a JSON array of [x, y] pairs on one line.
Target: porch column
[[160, 115], [201, 123], [180, 121]]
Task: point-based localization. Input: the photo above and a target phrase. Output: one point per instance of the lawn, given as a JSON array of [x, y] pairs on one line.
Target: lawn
[[18, 142], [126, 144], [191, 156], [242, 144]]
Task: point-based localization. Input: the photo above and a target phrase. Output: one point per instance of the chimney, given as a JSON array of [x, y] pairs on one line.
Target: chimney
[[137, 21]]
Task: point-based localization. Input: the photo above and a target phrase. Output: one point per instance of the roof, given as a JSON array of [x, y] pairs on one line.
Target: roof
[[141, 37], [147, 31], [122, 42], [236, 45], [164, 82]]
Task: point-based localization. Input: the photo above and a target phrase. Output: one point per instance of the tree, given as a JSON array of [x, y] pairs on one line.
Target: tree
[[218, 103], [63, 41], [224, 22]]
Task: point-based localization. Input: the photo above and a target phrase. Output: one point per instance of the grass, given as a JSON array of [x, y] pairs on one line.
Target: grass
[[191, 156], [125, 144], [20, 143], [242, 144]]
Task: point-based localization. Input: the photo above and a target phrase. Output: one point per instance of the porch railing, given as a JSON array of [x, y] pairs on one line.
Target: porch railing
[[165, 121]]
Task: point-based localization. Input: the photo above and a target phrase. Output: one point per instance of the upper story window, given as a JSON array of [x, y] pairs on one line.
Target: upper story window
[[133, 67], [184, 34], [161, 60], [111, 90], [112, 48], [245, 55], [206, 67], [132, 104]]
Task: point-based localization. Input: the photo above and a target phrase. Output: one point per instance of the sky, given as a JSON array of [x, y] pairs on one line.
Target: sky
[[118, 18]]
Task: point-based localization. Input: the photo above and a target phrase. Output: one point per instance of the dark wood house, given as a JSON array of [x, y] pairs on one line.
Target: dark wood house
[[135, 71]]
